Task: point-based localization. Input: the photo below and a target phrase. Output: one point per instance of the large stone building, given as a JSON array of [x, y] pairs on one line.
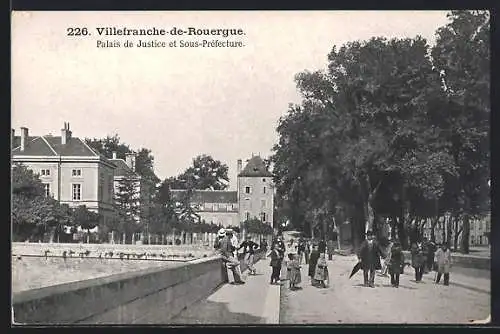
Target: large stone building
[[71, 171], [254, 197]]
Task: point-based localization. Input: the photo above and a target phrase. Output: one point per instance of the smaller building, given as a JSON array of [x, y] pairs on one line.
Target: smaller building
[[219, 207]]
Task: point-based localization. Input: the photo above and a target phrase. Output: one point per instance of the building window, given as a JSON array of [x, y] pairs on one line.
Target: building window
[[247, 190], [45, 172], [47, 189], [264, 190], [76, 191], [76, 172], [263, 203], [263, 216], [247, 215]]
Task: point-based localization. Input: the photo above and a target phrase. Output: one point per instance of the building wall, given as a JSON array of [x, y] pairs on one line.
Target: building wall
[[223, 218], [89, 181], [253, 202]]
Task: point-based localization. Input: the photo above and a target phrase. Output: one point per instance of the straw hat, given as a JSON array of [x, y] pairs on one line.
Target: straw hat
[[221, 233]]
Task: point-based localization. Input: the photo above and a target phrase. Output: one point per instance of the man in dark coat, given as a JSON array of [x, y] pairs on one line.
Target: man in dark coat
[[301, 247], [369, 255], [417, 261], [313, 260], [322, 246]]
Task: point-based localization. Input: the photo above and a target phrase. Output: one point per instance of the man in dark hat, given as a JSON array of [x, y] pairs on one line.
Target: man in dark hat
[[369, 254]]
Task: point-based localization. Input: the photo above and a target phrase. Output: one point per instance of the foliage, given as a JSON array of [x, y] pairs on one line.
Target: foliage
[[256, 226], [205, 173], [387, 123]]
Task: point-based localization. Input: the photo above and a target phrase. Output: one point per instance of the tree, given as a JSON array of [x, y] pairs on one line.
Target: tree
[[32, 212], [86, 219], [205, 173], [462, 56], [144, 163], [127, 203]]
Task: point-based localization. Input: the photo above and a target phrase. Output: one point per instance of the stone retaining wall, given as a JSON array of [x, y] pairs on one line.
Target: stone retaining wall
[[150, 296]]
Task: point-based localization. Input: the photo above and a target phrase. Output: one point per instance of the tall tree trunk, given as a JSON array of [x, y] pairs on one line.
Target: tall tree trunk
[[434, 222], [449, 228], [465, 234], [455, 234]]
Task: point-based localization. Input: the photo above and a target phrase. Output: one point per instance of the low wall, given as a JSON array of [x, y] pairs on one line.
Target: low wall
[[463, 261], [150, 296], [56, 249]]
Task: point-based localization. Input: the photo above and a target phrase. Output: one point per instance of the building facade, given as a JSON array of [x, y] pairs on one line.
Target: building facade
[[71, 171], [254, 197]]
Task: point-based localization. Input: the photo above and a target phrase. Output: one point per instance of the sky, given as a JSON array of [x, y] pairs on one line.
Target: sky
[[177, 101]]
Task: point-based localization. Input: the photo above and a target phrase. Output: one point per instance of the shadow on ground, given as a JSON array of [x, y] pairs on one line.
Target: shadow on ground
[[209, 312]]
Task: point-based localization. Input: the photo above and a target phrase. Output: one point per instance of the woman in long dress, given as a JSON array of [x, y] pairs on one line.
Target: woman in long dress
[[321, 272], [313, 260]]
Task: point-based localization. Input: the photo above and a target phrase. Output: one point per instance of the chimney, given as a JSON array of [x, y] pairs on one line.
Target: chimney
[[24, 137], [130, 160], [114, 154], [238, 168], [65, 134]]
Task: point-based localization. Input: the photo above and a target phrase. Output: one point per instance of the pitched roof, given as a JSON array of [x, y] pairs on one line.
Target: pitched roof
[[51, 146], [122, 168], [34, 146], [255, 167], [208, 196]]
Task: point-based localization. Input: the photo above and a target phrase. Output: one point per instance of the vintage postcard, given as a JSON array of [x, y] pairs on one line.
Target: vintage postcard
[[250, 167]]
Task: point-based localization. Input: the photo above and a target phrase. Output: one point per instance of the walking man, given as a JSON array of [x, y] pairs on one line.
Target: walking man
[[249, 248], [417, 261], [369, 255], [443, 260]]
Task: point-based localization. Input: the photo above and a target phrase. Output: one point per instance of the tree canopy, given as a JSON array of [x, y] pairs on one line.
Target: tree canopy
[[393, 127]]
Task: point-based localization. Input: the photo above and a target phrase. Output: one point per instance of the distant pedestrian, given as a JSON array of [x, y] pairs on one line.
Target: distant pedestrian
[[295, 276], [322, 246], [301, 247], [369, 254], [396, 263], [307, 250], [426, 252], [443, 260], [276, 263], [386, 261], [313, 261], [321, 272], [249, 248], [330, 247], [417, 261]]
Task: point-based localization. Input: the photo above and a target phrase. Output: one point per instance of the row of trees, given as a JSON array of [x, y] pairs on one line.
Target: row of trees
[[394, 128]]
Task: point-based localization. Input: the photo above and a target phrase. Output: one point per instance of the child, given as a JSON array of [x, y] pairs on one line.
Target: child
[[396, 263], [276, 265], [321, 272], [295, 276]]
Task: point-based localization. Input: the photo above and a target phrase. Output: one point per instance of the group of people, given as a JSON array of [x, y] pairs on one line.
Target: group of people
[[424, 258], [228, 246], [315, 258]]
